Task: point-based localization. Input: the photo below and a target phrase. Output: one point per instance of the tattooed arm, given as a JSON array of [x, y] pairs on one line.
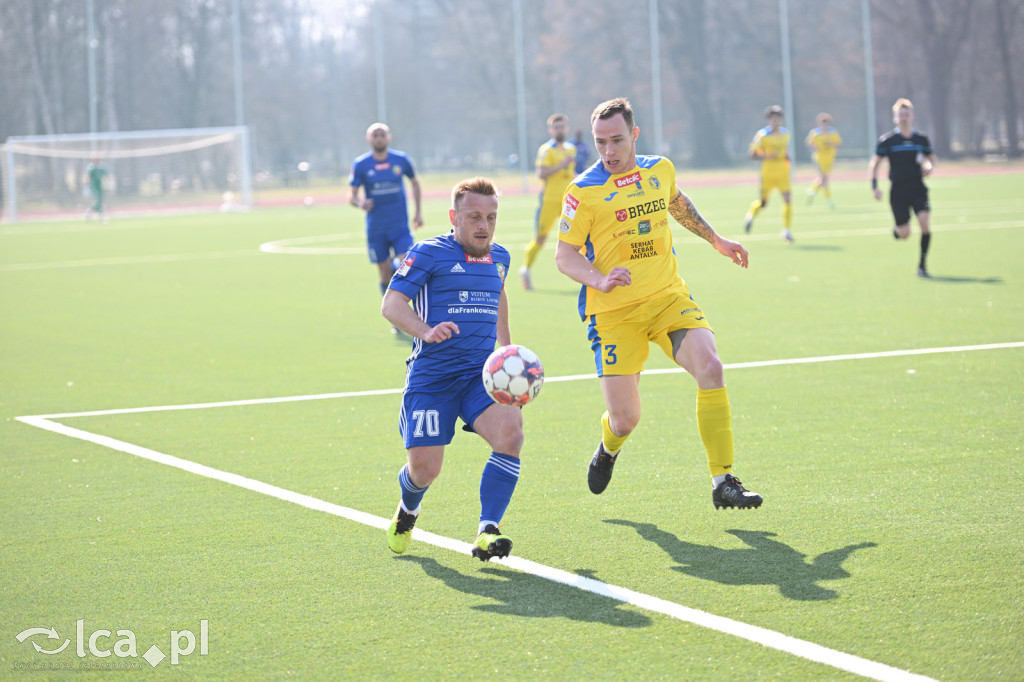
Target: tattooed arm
[[686, 214]]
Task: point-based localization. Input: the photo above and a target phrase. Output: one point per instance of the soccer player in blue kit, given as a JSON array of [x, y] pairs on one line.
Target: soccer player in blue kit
[[379, 172], [456, 285]]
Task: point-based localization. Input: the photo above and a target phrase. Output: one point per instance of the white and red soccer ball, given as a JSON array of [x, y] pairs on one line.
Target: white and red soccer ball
[[513, 375]]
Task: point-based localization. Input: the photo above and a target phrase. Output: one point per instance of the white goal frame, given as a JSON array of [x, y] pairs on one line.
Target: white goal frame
[[85, 145]]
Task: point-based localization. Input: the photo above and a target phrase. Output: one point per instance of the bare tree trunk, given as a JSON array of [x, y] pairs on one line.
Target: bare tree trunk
[[706, 134], [1004, 25], [109, 73], [37, 70], [37, 26], [944, 27], [62, 34]]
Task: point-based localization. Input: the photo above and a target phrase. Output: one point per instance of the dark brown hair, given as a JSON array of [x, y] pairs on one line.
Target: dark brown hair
[[619, 105]]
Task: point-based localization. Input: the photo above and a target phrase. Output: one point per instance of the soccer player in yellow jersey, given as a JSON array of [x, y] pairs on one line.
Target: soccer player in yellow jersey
[[824, 140], [556, 167], [771, 146], [615, 239]]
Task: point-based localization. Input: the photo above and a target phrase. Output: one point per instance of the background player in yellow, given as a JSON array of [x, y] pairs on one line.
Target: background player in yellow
[[556, 166], [615, 239], [771, 146], [824, 140]]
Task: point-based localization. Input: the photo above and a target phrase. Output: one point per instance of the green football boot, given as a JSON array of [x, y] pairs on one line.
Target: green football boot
[[491, 543], [400, 530]]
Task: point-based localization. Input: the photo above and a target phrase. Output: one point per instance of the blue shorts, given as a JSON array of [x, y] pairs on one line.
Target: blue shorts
[[428, 416], [383, 245]]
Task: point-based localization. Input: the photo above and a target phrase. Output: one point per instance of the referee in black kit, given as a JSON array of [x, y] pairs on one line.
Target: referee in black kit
[[911, 159]]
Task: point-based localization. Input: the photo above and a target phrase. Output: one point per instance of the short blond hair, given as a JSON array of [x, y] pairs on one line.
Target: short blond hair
[[478, 185], [557, 118], [376, 126], [900, 104]]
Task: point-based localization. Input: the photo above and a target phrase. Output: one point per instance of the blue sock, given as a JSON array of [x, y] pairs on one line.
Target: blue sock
[[496, 486], [411, 495]]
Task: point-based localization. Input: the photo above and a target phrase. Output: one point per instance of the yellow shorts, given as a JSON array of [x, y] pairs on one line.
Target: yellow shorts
[[547, 217], [621, 338], [772, 179], [825, 162]]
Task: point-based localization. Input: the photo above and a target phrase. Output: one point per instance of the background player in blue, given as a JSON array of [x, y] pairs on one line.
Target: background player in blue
[[456, 284], [582, 152], [911, 159], [379, 172]]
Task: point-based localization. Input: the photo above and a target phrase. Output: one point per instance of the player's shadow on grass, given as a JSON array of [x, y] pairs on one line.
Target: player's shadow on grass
[[522, 594], [966, 280], [765, 562]]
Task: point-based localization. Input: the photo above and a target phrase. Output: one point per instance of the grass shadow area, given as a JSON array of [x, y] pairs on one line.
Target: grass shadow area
[[965, 280], [529, 596], [765, 561]]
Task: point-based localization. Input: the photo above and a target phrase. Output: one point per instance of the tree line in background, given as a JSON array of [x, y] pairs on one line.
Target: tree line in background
[[310, 76]]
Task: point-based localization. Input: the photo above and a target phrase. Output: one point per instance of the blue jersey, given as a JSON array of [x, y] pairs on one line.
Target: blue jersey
[[382, 182], [447, 284], [582, 155]]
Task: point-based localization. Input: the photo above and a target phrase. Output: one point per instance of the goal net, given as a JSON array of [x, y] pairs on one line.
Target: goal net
[[146, 171]]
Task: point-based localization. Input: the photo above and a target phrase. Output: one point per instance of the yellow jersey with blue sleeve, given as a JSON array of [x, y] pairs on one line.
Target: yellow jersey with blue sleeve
[[772, 147], [825, 142], [623, 221], [551, 154]]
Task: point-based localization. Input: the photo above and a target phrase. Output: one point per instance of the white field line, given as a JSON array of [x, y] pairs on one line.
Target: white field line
[[296, 246], [568, 377], [868, 232], [300, 245], [752, 633], [292, 246], [126, 260]]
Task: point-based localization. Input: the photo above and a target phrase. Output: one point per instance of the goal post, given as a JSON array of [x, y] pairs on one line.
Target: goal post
[[147, 171]]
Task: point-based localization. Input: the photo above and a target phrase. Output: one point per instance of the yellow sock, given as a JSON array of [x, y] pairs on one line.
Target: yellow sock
[[754, 208], [714, 422], [787, 215], [828, 191], [532, 249], [612, 443]]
